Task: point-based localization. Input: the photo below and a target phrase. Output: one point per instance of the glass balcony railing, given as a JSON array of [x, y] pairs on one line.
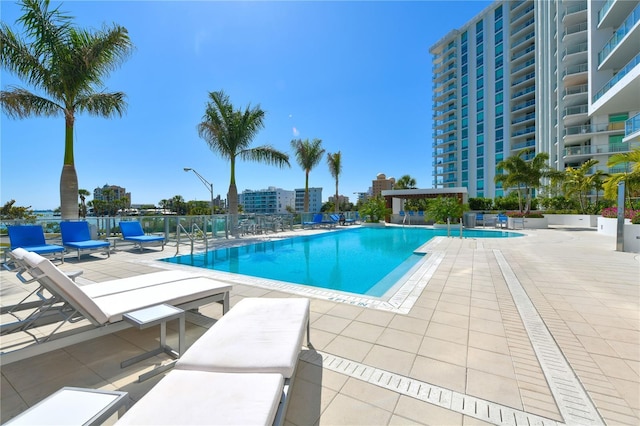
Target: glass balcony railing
[[523, 145], [575, 9], [576, 90], [619, 34], [578, 28], [523, 92], [526, 117], [616, 78], [632, 125], [578, 109], [603, 11], [575, 69], [578, 48], [591, 128]]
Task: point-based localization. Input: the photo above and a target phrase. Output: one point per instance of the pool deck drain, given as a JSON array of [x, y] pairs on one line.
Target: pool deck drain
[[455, 401]]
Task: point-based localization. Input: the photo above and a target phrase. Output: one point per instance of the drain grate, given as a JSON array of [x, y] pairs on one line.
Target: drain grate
[[458, 402]]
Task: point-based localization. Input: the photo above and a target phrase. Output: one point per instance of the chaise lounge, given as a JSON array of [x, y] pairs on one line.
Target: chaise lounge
[[31, 238], [132, 231], [246, 362], [76, 235], [103, 304]]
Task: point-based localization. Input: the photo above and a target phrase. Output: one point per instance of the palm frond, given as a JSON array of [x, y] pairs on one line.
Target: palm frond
[[102, 104], [266, 154], [20, 103]]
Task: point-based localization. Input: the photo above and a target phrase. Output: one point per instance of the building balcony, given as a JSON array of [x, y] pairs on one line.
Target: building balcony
[[623, 43], [576, 49], [522, 39], [582, 89], [621, 92], [523, 105], [575, 74], [580, 28], [523, 132], [632, 129], [515, 30], [530, 77], [531, 143], [523, 92], [576, 11], [521, 119], [518, 12], [523, 66], [613, 12]]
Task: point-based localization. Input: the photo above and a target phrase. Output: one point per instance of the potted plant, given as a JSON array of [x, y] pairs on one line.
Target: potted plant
[[528, 220]]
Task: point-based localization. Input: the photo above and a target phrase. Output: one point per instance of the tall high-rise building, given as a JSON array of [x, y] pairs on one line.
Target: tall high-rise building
[[560, 77], [315, 200]]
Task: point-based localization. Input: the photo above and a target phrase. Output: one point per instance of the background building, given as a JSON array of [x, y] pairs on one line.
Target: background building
[[267, 201], [381, 183], [111, 193], [560, 77], [315, 200]]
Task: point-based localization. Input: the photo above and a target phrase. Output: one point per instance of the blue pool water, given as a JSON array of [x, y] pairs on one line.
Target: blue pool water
[[365, 261]]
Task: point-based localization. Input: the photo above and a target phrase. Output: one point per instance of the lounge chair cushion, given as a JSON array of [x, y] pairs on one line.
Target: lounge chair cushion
[[133, 231], [140, 281], [77, 235], [256, 335], [200, 397], [111, 307]]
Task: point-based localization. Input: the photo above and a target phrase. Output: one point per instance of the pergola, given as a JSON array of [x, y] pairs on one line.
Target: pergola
[[409, 194]]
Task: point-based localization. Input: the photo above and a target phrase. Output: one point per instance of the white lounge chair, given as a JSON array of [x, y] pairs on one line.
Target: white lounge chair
[[246, 362], [103, 307]]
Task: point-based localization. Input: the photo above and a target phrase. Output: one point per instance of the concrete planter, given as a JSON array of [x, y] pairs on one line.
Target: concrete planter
[[574, 220], [632, 238], [609, 225], [374, 225], [529, 223]]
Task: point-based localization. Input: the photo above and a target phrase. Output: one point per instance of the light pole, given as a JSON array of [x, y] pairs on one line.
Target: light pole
[[209, 186]]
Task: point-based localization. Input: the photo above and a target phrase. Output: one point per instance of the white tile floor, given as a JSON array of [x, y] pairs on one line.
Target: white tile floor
[[465, 335]]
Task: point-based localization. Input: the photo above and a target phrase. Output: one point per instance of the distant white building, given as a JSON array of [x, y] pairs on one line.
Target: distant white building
[[267, 201], [315, 200]]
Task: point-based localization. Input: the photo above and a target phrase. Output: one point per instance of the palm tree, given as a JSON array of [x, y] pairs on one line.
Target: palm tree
[[66, 66], [335, 168], [631, 161], [308, 154], [524, 175], [229, 133], [578, 182], [83, 193], [405, 182]]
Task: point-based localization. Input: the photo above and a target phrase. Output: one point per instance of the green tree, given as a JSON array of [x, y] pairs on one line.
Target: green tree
[[11, 212], [229, 133], [66, 66], [83, 193], [405, 182], [308, 154], [631, 175], [442, 208], [335, 168], [579, 183], [524, 175], [374, 209]]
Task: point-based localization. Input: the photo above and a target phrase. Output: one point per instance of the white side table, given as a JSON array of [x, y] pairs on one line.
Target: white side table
[[73, 406], [113, 241], [149, 317]]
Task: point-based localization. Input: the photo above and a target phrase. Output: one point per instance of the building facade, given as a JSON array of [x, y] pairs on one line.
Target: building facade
[[315, 200], [111, 193], [561, 77], [381, 183], [267, 201]]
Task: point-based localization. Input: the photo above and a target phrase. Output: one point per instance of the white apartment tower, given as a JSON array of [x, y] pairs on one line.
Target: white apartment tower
[[561, 77]]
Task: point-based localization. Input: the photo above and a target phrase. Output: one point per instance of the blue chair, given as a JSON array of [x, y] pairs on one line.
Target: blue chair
[[480, 218], [502, 220], [31, 238], [76, 235], [132, 231], [317, 221]]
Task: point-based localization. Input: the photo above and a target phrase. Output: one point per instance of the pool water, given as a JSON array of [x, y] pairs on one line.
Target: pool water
[[366, 261]]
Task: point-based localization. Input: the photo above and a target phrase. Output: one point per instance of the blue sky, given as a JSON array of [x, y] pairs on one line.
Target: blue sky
[[355, 74]]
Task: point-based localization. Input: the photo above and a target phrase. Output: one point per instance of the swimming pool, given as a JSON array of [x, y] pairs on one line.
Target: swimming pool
[[365, 261]]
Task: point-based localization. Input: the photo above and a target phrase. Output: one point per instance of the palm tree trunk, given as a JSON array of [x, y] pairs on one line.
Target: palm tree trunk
[[337, 206], [306, 193], [69, 193]]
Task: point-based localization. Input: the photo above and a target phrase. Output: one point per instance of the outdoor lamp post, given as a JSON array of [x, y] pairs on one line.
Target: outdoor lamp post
[[209, 186]]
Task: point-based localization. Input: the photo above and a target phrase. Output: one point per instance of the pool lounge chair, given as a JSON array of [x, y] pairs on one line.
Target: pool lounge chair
[[502, 221], [350, 221], [132, 231], [31, 238], [104, 304], [315, 222], [246, 362], [75, 235]]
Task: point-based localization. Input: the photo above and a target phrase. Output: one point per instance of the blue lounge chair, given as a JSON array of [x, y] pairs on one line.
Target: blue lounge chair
[[132, 231], [31, 238], [317, 221], [76, 235], [351, 221], [502, 221]]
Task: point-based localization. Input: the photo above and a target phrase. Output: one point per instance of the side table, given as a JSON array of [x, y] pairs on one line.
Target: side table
[[73, 406], [149, 317]]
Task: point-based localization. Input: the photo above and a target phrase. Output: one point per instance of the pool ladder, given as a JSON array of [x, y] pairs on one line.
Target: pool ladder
[[194, 235]]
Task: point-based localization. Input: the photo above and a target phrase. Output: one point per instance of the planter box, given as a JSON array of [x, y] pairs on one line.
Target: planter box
[[575, 220], [632, 238], [609, 225], [529, 223]]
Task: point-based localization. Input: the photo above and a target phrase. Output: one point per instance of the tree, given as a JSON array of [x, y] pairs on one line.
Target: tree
[[524, 175], [308, 154], [83, 193], [66, 66], [335, 168], [374, 209], [442, 208], [229, 133], [405, 182], [631, 175], [11, 212], [577, 182]]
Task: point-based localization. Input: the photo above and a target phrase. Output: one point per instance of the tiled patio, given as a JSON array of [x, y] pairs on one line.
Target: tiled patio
[[539, 329]]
